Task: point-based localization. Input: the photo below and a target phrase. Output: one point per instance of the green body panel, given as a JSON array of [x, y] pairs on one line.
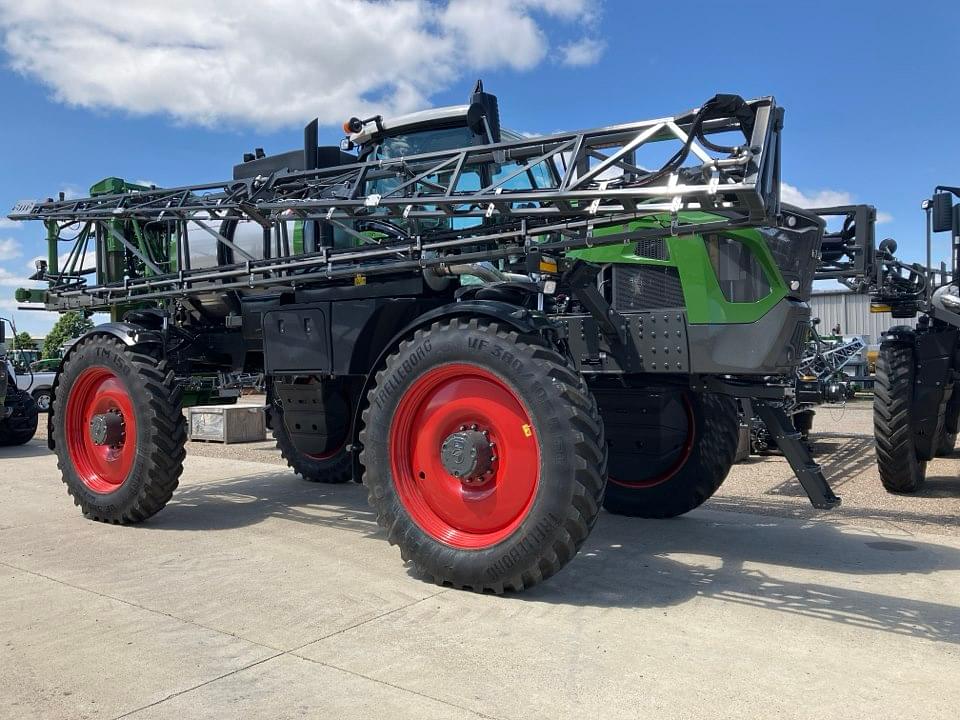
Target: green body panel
[[704, 300], [30, 295], [113, 186]]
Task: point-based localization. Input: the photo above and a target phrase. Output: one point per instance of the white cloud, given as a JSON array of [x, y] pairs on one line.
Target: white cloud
[[272, 64], [89, 261], [585, 51], [9, 248], [567, 9], [6, 224], [823, 198], [816, 198], [8, 279]]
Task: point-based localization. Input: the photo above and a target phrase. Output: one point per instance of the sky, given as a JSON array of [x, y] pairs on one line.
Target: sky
[[175, 92]]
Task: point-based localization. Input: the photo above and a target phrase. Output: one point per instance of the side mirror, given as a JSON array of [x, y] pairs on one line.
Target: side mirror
[[815, 321], [888, 246], [484, 114], [942, 212]]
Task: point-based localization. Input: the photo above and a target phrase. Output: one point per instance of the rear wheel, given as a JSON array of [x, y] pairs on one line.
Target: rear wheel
[[118, 431], [333, 467], [21, 425], [483, 456], [669, 460], [900, 469]]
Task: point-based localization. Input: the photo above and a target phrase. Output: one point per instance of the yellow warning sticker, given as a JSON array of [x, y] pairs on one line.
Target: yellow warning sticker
[[527, 432]]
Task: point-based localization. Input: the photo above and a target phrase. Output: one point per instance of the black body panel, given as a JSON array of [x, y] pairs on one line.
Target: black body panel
[[343, 337], [662, 341]]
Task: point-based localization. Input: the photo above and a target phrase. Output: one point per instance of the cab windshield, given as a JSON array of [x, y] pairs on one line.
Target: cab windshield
[[540, 176], [425, 141]]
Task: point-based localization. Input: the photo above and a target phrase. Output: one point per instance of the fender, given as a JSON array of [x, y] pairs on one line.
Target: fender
[[128, 333], [520, 319], [899, 333]]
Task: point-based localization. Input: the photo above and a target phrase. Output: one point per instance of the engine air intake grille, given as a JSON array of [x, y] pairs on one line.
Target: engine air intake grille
[[644, 287]]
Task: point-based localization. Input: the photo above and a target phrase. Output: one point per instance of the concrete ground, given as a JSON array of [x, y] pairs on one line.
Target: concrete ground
[[254, 595]]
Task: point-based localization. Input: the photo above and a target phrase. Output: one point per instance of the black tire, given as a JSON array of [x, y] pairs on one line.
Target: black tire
[[42, 398], [689, 465], [158, 451], [900, 469], [331, 469], [567, 482], [20, 427]]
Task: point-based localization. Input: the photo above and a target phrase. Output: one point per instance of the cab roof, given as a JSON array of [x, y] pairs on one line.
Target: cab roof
[[422, 117]]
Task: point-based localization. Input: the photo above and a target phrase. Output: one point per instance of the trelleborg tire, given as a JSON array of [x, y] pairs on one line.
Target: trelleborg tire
[[484, 456], [118, 430]]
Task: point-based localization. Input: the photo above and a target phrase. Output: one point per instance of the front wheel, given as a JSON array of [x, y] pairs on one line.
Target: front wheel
[[483, 456], [118, 430], [669, 451], [901, 471]]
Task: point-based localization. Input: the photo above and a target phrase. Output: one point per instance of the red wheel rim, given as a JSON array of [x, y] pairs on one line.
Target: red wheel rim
[[102, 468], [674, 468], [439, 403]]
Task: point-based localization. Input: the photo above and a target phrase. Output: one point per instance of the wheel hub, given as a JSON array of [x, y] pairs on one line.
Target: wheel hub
[[468, 455], [107, 428]]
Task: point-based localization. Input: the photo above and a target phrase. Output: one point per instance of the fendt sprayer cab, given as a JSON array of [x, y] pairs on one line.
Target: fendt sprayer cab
[[467, 321]]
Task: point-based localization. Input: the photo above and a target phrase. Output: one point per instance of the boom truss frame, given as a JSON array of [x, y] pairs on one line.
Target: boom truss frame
[[703, 187]]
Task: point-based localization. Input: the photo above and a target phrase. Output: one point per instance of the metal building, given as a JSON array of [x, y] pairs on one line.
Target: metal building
[[852, 312]]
